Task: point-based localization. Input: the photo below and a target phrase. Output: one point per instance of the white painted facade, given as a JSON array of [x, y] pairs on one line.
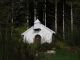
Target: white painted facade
[[44, 32]]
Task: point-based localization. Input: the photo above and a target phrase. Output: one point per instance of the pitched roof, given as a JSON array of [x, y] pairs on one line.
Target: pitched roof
[[42, 26], [38, 25], [47, 28], [27, 31]]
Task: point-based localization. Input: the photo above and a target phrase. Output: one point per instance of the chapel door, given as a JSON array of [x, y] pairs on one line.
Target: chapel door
[[37, 39]]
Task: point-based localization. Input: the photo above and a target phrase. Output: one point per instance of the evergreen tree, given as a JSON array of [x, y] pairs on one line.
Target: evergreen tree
[[63, 21], [5, 23], [55, 1]]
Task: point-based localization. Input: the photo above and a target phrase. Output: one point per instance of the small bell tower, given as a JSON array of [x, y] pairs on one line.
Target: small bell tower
[[37, 25]]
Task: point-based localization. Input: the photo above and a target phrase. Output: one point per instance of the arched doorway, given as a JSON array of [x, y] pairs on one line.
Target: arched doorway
[[37, 39]]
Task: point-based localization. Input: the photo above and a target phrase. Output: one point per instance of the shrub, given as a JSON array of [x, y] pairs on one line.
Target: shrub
[[63, 46]]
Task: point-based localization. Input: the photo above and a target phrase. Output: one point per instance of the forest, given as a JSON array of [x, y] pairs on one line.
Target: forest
[[16, 16]]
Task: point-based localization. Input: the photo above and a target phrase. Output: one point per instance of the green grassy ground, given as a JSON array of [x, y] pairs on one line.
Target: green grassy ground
[[60, 55]]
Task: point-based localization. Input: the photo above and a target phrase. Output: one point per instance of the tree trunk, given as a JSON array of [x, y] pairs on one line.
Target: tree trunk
[[12, 27], [27, 17], [71, 19], [12, 21], [45, 13], [0, 32], [35, 12], [71, 22], [63, 21], [56, 16], [27, 23]]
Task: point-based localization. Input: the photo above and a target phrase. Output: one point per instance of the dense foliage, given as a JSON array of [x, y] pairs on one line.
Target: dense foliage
[[16, 16]]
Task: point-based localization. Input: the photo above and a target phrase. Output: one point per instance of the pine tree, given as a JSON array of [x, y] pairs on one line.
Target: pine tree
[[63, 21], [72, 3], [55, 1]]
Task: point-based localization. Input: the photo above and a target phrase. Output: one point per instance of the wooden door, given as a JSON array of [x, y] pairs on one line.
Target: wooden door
[[37, 39]]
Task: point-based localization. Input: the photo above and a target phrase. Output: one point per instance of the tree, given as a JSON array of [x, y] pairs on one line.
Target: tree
[[71, 3], [26, 10], [44, 13], [44, 10], [55, 1], [12, 17], [35, 10], [5, 23], [63, 21], [56, 16]]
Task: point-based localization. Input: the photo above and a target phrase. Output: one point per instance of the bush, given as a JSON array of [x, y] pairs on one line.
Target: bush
[[63, 46], [46, 46]]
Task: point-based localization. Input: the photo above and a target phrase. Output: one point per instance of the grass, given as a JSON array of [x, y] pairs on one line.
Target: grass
[[62, 55]]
